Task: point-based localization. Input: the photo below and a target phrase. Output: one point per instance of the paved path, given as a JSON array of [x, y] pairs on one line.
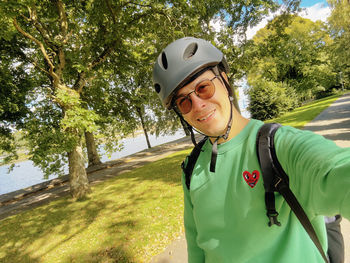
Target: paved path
[[334, 124]]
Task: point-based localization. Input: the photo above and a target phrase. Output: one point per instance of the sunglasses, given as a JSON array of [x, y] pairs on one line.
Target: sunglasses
[[204, 90]]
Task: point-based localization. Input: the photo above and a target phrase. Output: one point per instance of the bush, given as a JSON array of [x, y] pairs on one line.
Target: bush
[[270, 99]]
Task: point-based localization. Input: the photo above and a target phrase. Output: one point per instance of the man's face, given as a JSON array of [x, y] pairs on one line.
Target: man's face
[[210, 116]]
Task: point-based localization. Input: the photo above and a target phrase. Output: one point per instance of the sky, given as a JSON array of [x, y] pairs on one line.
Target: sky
[[308, 3]]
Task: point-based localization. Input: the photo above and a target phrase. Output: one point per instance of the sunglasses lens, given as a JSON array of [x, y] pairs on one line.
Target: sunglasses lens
[[205, 90], [184, 104]]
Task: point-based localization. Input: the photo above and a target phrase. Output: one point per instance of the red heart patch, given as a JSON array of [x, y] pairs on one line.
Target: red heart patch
[[251, 178]]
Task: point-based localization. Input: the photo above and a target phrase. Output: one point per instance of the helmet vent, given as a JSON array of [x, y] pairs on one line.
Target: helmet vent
[[157, 87], [164, 61], [190, 51]]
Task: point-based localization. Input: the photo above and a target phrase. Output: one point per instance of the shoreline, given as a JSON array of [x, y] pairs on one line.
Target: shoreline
[[25, 157], [25, 174], [36, 195]]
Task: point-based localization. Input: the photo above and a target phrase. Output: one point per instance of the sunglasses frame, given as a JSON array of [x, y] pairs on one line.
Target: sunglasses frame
[[187, 96]]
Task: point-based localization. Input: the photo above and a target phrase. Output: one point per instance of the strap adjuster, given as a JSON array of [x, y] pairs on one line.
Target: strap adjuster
[[272, 215]]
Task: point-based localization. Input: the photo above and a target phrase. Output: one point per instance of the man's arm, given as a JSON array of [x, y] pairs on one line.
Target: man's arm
[[319, 171]]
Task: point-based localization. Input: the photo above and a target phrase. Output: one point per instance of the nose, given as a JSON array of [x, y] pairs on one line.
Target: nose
[[197, 103]]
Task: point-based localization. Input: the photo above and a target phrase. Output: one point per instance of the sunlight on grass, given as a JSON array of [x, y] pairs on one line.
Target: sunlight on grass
[[299, 117], [130, 218]]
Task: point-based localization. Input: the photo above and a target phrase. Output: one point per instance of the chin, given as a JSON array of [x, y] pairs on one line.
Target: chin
[[214, 133]]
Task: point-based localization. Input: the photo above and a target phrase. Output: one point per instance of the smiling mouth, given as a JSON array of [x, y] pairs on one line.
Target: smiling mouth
[[206, 117]]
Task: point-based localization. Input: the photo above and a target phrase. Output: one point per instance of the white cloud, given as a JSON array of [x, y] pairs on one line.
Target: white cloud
[[316, 12], [251, 31]]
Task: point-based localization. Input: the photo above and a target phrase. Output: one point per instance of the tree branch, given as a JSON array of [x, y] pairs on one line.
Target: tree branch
[[64, 30], [102, 57], [41, 29], [111, 10], [41, 46], [63, 19], [81, 81], [38, 67]]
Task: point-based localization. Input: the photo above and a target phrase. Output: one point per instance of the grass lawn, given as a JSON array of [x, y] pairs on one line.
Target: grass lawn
[[306, 113], [129, 218]]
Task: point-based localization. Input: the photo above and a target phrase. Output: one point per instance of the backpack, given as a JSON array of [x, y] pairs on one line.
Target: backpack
[[275, 180]]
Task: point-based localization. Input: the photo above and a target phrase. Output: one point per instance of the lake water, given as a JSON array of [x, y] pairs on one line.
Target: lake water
[[26, 174]]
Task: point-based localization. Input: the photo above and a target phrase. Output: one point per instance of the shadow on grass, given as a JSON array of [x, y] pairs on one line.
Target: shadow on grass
[[19, 232], [69, 219], [46, 230], [109, 254]]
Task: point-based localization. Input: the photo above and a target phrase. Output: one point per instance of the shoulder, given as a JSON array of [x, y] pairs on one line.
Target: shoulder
[[288, 137]]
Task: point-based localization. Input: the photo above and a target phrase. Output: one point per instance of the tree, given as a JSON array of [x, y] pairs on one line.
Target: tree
[[15, 84], [69, 45], [339, 22], [291, 52], [269, 99], [79, 51]]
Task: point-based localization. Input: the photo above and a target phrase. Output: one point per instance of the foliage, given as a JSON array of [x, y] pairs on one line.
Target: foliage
[[78, 49], [293, 51], [15, 83], [339, 22], [269, 99]]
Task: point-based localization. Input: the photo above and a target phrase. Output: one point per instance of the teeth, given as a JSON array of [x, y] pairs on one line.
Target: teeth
[[206, 117]]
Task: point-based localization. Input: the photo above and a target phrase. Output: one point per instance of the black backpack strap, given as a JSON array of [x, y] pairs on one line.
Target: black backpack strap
[[191, 161], [275, 179], [264, 143]]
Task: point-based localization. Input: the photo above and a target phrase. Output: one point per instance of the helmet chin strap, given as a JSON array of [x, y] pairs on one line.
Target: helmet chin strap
[[214, 151]]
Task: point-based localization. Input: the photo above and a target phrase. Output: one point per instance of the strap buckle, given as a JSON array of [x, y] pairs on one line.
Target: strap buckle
[[278, 182], [272, 215]]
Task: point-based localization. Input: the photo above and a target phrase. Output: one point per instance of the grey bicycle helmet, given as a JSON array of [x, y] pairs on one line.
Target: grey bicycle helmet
[[181, 60]]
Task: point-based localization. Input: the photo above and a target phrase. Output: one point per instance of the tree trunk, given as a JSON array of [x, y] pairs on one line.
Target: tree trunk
[[93, 157], [144, 127], [79, 183], [147, 139]]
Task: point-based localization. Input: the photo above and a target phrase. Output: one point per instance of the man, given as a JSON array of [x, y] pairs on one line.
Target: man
[[224, 213]]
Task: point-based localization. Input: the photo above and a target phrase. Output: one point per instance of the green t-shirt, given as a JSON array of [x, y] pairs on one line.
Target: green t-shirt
[[225, 216]]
